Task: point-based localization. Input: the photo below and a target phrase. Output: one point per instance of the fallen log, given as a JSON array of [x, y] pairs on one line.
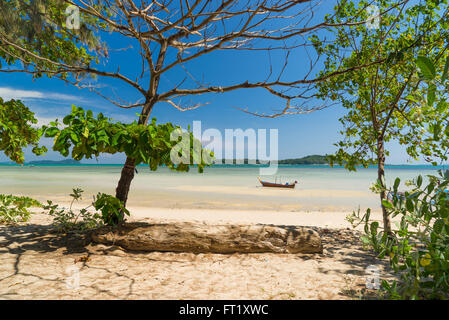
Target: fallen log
[[208, 238]]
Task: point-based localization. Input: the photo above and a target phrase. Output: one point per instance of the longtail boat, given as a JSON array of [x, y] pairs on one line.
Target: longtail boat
[[277, 185]]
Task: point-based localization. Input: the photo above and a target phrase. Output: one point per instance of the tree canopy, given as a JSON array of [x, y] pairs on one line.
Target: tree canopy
[[18, 130], [383, 101], [87, 136], [34, 34]]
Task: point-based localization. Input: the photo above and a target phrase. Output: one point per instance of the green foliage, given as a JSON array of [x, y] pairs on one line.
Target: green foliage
[[109, 211], [17, 131], [112, 209], [426, 67], [33, 34], [14, 209], [435, 76], [39, 27], [384, 100], [151, 144], [418, 248], [69, 220]]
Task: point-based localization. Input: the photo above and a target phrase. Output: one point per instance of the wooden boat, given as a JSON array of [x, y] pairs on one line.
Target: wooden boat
[[277, 185]]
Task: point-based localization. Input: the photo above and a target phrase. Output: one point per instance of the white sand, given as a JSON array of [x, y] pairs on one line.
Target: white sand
[[312, 218], [36, 264]]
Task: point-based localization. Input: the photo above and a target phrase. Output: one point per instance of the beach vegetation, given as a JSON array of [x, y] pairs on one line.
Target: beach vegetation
[[68, 219], [384, 102], [15, 209], [18, 130], [435, 75], [108, 210], [418, 246], [112, 209]]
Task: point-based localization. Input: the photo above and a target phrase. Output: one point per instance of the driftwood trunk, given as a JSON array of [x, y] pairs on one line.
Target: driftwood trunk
[[207, 238]]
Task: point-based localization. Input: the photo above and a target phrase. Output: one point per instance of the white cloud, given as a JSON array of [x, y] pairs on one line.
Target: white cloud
[[45, 121], [11, 93]]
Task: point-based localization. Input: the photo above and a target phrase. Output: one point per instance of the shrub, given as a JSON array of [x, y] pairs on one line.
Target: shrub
[[112, 212], [418, 248], [14, 209], [112, 209]]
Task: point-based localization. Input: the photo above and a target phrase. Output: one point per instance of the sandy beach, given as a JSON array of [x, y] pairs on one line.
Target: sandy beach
[[39, 264]]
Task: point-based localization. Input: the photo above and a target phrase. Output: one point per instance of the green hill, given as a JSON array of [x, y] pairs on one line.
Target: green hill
[[310, 160], [67, 161], [313, 159]]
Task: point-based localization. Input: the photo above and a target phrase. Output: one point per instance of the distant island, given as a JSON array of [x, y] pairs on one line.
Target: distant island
[[66, 161], [313, 159], [40, 162], [308, 160]]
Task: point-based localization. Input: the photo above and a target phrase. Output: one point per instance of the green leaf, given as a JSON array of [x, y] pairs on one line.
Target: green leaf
[[387, 204], [426, 67], [419, 181], [438, 225], [86, 132], [397, 181], [51, 132], [446, 69], [409, 205], [431, 94], [436, 131], [74, 137]]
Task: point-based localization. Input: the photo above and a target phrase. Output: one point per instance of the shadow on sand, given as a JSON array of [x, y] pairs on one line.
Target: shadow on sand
[[341, 245]]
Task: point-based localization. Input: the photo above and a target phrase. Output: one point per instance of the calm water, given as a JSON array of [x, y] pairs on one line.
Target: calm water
[[319, 188]]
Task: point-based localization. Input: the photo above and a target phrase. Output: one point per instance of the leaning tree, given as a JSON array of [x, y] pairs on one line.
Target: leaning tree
[[167, 36]]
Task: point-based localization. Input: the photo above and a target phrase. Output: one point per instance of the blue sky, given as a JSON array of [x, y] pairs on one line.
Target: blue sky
[[299, 135]]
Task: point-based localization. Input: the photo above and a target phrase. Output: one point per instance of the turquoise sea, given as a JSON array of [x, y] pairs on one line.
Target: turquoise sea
[[219, 187]]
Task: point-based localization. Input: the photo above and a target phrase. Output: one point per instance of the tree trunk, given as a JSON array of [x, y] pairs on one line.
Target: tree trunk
[[381, 177], [127, 175], [211, 238], [130, 165], [122, 190]]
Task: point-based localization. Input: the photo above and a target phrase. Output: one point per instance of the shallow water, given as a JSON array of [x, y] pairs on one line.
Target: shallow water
[[320, 187]]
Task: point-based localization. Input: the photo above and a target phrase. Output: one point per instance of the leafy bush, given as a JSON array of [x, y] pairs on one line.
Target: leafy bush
[[112, 209], [112, 212], [418, 248], [69, 220], [14, 209]]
